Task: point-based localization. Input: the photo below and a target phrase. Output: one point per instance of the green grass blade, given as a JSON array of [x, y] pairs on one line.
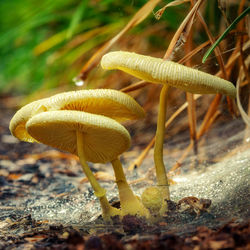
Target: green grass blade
[[76, 19], [230, 27]]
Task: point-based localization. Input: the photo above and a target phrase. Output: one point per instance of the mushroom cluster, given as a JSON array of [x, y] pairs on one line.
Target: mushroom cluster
[[86, 123], [168, 73]]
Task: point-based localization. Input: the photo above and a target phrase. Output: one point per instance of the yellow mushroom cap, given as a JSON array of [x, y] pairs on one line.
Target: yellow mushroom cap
[[18, 121], [103, 138], [110, 103], [157, 70]]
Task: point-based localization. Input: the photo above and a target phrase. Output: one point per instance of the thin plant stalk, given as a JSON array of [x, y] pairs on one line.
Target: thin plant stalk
[[135, 86], [203, 128], [191, 101], [192, 120], [138, 161], [181, 28]]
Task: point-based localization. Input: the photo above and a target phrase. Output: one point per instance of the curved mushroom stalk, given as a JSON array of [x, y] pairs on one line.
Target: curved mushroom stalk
[[160, 169], [107, 210], [130, 204]]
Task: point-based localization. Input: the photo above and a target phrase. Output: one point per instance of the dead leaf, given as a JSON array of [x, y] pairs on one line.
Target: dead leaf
[[160, 12], [183, 29], [136, 19], [100, 175], [14, 176], [52, 154], [35, 238]]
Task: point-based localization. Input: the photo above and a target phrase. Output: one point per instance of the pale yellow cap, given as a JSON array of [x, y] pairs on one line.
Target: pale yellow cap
[[111, 103], [103, 138], [157, 70]]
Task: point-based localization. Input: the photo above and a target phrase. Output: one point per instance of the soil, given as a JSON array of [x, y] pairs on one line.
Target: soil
[[26, 172]]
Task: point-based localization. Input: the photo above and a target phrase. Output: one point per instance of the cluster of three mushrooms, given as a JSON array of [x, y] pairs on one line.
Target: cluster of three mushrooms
[[86, 123]]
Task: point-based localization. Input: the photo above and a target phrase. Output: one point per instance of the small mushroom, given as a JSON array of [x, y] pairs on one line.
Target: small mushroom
[[93, 138], [168, 73], [111, 103], [152, 199]]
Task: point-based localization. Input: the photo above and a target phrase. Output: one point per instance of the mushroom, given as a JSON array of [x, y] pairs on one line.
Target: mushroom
[[152, 199], [168, 73], [93, 138], [111, 103], [157, 70]]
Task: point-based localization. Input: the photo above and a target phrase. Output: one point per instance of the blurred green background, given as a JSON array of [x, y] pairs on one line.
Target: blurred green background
[[44, 44]]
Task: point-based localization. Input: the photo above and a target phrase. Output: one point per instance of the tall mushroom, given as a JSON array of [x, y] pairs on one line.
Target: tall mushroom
[[157, 70]]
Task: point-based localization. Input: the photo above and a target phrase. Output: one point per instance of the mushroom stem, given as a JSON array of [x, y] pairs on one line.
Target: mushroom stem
[[100, 193], [161, 175], [130, 204]]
